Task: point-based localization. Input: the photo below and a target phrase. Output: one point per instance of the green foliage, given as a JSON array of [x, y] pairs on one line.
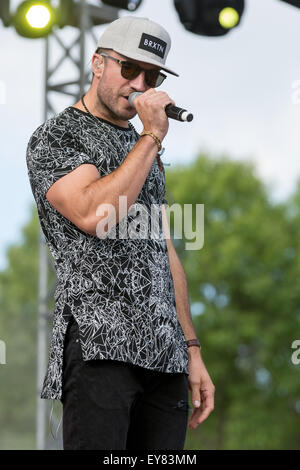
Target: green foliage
[[18, 329], [18, 300], [244, 279]]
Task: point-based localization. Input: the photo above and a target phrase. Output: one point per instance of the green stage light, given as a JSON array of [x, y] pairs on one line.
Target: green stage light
[[38, 16], [229, 18], [34, 19], [210, 17]]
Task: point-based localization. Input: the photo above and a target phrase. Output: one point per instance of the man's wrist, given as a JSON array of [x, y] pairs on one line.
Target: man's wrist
[[194, 346], [154, 137], [157, 133], [194, 352]]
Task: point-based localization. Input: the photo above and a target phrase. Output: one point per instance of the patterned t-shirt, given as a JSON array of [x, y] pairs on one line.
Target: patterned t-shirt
[[120, 291]]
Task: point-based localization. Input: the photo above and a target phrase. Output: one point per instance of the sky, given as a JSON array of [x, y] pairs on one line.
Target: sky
[[241, 88]]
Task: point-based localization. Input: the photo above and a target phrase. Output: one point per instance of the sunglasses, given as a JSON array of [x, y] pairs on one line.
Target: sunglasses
[[130, 71]]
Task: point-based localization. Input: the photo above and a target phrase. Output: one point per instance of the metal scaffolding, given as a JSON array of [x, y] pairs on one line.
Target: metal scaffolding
[[89, 16]]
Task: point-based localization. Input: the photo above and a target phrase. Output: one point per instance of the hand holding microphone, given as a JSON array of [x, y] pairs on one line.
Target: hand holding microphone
[[172, 111], [153, 108]]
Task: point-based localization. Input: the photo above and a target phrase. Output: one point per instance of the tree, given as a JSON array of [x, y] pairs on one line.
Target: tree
[[18, 328], [245, 301], [244, 281]]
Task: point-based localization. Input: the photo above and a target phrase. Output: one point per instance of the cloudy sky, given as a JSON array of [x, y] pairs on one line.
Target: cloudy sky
[[239, 87]]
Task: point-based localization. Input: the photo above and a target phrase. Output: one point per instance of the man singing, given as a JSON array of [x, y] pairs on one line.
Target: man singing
[[123, 352]]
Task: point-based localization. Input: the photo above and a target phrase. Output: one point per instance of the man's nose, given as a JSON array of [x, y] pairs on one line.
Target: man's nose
[[138, 83]]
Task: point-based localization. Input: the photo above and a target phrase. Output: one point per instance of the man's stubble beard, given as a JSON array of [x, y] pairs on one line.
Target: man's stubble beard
[[107, 103]]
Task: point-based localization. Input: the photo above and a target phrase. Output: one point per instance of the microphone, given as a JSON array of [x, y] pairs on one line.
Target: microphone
[[172, 112]]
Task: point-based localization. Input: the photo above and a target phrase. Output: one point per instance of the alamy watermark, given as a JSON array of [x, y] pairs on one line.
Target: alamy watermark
[[2, 352], [295, 358], [296, 93], [142, 223]]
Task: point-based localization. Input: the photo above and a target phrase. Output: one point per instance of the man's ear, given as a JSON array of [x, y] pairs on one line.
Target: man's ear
[[97, 63]]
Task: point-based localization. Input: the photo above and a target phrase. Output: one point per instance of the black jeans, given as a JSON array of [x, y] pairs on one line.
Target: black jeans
[[113, 405]]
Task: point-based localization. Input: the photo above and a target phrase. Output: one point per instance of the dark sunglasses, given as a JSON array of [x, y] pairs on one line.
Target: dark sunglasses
[[130, 71]]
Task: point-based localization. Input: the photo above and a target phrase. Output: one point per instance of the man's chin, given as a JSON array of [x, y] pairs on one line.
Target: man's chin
[[130, 114]]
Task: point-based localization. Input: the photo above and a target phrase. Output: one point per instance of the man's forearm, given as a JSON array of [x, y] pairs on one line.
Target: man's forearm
[[127, 180], [181, 297]]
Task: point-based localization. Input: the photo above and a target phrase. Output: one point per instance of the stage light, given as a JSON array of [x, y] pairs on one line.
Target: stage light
[[229, 18], [295, 3], [130, 5], [210, 17], [68, 13], [34, 19], [38, 16], [5, 12]]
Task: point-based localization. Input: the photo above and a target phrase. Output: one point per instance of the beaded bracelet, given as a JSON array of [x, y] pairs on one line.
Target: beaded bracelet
[[158, 143]]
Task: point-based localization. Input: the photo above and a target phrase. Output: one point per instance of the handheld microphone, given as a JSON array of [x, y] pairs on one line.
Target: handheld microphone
[[172, 112]]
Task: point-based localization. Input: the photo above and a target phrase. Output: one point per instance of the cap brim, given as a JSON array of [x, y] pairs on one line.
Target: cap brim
[[142, 59]]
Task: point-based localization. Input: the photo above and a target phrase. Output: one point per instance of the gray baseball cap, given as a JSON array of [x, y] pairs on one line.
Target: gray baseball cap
[[139, 39]]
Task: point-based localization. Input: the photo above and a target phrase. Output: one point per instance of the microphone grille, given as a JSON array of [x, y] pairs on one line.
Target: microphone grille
[[133, 96]]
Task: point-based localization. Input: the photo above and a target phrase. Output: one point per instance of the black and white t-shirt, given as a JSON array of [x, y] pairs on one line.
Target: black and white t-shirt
[[120, 291]]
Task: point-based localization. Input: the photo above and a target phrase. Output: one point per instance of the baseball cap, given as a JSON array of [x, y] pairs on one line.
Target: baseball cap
[[140, 39]]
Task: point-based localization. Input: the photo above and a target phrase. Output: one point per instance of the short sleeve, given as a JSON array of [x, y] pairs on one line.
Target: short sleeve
[[52, 153]]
